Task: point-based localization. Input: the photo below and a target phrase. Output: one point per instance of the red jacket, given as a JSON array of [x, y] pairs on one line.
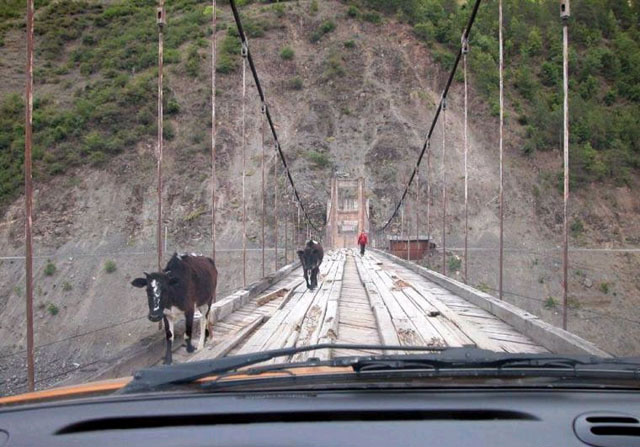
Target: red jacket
[[362, 239]]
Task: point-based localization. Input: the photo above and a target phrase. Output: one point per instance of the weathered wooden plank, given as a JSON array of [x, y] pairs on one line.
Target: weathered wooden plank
[[225, 346], [386, 329], [287, 297], [402, 316], [432, 332], [264, 299], [318, 324], [291, 328], [268, 335], [475, 334]]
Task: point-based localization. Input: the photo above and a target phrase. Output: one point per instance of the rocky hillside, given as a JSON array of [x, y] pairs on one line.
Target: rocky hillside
[[351, 91]]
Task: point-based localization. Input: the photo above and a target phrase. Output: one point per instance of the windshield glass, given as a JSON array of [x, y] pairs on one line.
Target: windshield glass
[[403, 173]]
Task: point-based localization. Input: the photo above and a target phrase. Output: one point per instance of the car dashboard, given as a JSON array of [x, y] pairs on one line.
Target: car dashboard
[[333, 418]]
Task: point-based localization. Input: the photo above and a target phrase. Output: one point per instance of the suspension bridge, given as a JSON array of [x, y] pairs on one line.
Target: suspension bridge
[[376, 298]]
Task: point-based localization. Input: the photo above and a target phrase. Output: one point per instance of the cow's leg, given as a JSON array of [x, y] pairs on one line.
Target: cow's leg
[[210, 317], [314, 277], [189, 329], [204, 310], [168, 330], [306, 278]]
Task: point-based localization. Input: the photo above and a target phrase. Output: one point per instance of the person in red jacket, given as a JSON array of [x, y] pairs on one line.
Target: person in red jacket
[[362, 241]]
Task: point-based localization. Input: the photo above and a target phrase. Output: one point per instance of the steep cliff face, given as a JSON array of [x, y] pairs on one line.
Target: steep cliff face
[[354, 97]]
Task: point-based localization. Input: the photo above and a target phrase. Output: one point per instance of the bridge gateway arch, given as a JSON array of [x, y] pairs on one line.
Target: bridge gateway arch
[[347, 212]]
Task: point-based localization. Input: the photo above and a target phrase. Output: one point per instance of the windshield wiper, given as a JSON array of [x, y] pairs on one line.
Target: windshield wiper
[[474, 358], [465, 358], [156, 378]]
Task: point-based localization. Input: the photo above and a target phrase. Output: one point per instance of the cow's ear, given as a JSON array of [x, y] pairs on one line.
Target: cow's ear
[[300, 252], [173, 281], [139, 282]]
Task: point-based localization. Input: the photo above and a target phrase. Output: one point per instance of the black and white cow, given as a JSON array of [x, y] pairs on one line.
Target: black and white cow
[[186, 283], [311, 258]]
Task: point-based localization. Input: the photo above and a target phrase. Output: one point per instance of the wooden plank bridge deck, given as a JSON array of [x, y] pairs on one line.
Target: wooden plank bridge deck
[[365, 300]]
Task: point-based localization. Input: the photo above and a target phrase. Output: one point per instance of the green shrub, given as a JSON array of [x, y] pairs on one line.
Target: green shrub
[[172, 108], [225, 64], [296, 83], [455, 263], [353, 11], [168, 131], [66, 286], [424, 31], [97, 158], [50, 269], [278, 9], [333, 67], [52, 309], [604, 287], [350, 44], [550, 303], [318, 160], [313, 7], [325, 27], [577, 227], [372, 17], [287, 53], [192, 65], [110, 266]]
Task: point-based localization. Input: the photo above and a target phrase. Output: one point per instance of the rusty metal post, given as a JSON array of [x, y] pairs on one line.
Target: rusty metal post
[[161, 21], [418, 207], [428, 201], [408, 229], [28, 196], [263, 111], [213, 130], [244, 165], [402, 222], [564, 14], [293, 231], [444, 187], [298, 225], [501, 150], [286, 234], [275, 208], [465, 51]]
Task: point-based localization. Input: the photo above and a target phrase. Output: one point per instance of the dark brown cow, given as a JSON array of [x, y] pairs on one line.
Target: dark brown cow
[[311, 258], [188, 281]]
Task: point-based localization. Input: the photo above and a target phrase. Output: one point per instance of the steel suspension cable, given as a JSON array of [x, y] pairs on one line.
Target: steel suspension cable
[[428, 196], [418, 208], [28, 197], [160, 22], [244, 167], [564, 14], [243, 38], [262, 183], [444, 187], [501, 255], [465, 51], [213, 130], [465, 35], [275, 210]]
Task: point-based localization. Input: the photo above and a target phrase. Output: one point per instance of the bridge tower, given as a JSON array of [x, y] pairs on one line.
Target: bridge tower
[[347, 212]]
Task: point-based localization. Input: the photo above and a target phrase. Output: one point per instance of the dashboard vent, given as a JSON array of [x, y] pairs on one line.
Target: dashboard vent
[[608, 429]]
